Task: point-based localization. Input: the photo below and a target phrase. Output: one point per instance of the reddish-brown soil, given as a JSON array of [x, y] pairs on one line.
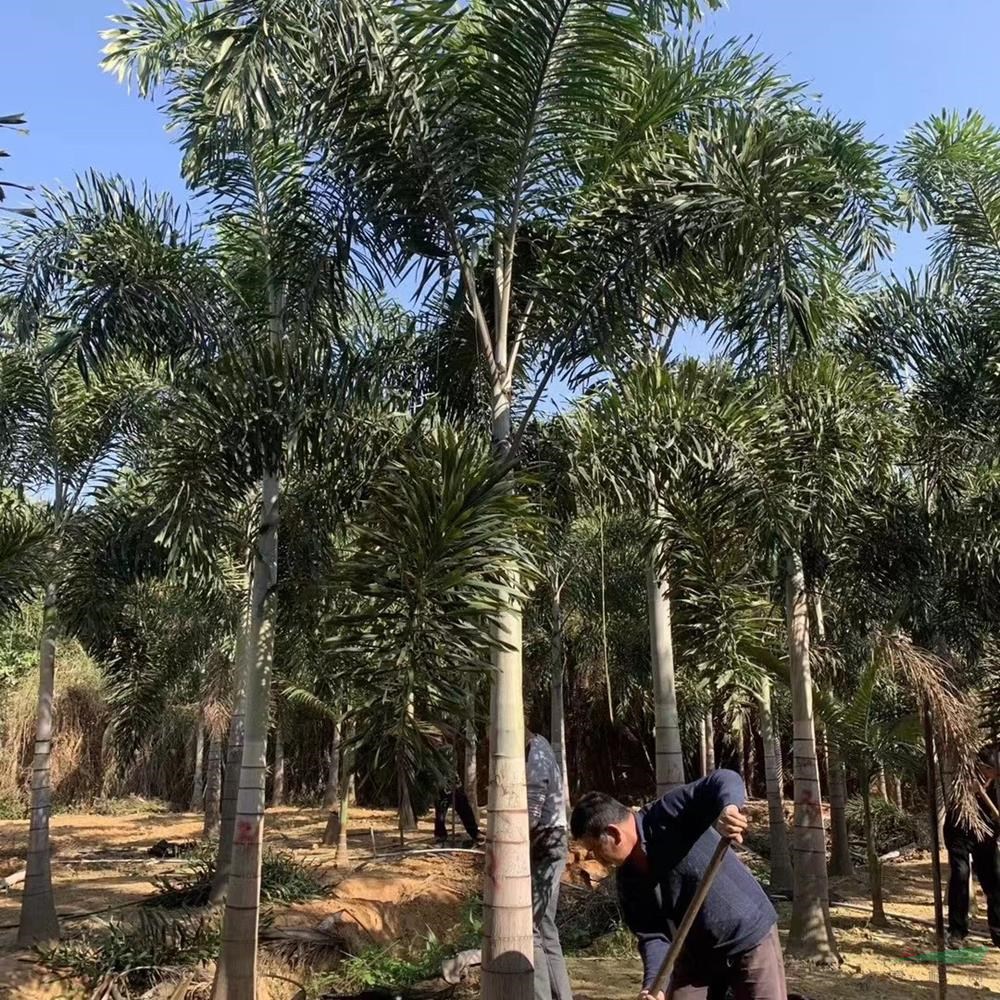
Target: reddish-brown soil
[[388, 899]]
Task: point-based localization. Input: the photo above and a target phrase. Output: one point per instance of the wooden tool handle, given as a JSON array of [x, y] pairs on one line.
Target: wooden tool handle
[[690, 915]]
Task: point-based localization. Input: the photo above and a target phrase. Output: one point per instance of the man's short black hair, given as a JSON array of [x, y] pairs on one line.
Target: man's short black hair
[[594, 813]]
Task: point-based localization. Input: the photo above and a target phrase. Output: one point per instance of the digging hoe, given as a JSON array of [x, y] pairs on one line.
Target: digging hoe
[[690, 915]]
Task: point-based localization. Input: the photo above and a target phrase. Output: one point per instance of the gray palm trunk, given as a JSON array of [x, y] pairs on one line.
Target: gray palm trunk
[[557, 709], [346, 784], [236, 970], [197, 781], [331, 795], [809, 935], [896, 790], [278, 779], [39, 923], [709, 741], [213, 784], [874, 865], [781, 862], [234, 750], [841, 862], [508, 946], [669, 755], [407, 818]]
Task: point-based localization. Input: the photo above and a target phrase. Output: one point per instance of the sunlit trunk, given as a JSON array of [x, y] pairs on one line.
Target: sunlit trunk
[[407, 819], [781, 864], [669, 755], [346, 786], [841, 862], [236, 971], [39, 923], [557, 722], [278, 780], [880, 785], [874, 865], [234, 749], [896, 790], [702, 743], [197, 783], [508, 947], [331, 796], [709, 741], [213, 784], [809, 935]]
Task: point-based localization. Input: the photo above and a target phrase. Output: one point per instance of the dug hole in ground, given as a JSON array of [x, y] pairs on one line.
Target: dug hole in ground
[[392, 906]]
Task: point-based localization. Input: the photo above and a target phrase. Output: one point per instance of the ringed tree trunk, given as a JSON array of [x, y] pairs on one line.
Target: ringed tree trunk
[[557, 708], [278, 782], [874, 865], [236, 970], [702, 744], [508, 945], [331, 794], [880, 783], [213, 784], [781, 863], [809, 936], [39, 923], [669, 755], [841, 862], [197, 783], [234, 749]]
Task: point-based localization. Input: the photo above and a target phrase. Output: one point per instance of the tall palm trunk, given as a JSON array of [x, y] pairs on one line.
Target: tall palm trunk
[[234, 749], [702, 744], [213, 784], [39, 923], [709, 741], [344, 806], [407, 818], [874, 865], [781, 863], [331, 796], [669, 755], [197, 782], [896, 790], [557, 725], [278, 780], [508, 948], [841, 862], [880, 783], [809, 935]]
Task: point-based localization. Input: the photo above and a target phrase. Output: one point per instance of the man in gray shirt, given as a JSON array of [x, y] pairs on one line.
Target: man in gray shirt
[[549, 843]]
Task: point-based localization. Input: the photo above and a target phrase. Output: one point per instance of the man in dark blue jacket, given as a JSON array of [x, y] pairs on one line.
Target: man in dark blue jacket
[[661, 854]]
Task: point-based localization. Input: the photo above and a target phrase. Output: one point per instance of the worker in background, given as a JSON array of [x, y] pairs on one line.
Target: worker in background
[[662, 853], [965, 844], [549, 847], [451, 793]]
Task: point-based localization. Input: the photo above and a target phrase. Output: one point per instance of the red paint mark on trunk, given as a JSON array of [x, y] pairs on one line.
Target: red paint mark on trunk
[[245, 833]]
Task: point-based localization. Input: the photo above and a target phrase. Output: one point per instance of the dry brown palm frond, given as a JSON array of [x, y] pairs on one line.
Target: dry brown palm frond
[[955, 715]]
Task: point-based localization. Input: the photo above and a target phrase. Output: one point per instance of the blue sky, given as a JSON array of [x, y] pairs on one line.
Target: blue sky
[[888, 62]]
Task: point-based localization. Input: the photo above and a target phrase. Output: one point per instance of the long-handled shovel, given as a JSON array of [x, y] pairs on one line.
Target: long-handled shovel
[[690, 915]]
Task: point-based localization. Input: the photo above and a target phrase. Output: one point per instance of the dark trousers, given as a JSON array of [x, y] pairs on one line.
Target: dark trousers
[[985, 856], [548, 862], [465, 813], [758, 974]]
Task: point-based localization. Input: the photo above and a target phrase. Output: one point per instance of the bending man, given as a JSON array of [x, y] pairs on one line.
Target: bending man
[[661, 854]]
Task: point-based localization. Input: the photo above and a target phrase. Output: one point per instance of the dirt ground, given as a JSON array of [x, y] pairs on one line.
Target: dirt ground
[[382, 898]]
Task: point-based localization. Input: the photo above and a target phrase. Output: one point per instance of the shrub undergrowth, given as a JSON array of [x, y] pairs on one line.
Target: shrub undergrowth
[[284, 879], [137, 953]]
